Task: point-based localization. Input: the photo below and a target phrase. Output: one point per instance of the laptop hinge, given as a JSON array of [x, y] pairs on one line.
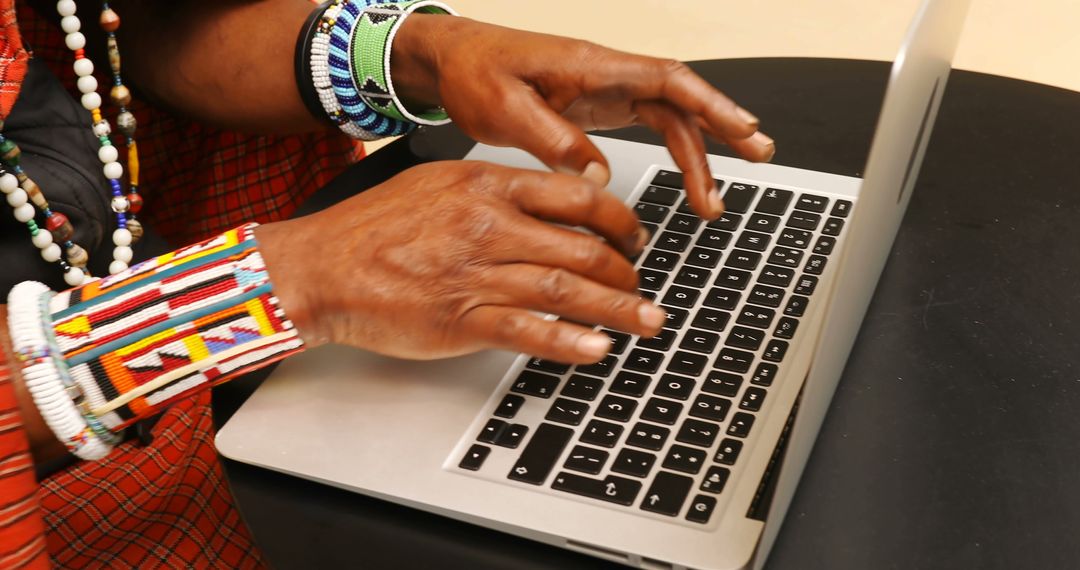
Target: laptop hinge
[[763, 497]]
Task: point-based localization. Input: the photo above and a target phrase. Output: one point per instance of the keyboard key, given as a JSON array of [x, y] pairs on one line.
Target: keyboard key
[[671, 241], [742, 259], [806, 285], [540, 454], [716, 239], [703, 257], [812, 203], [752, 399], [685, 459], [727, 221], [687, 363], [474, 457], [740, 424], [511, 436], [739, 196], [650, 280], [841, 208], [612, 489], [745, 338], [619, 340], [754, 241], [633, 462], [715, 478], [824, 245], [582, 387], [662, 196], [785, 329], [672, 386], [710, 407], [653, 229], [722, 383], [786, 257], [764, 374], [752, 316], [547, 366], [796, 306], [535, 384], [509, 406], [776, 275], [491, 431], [667, 494], [734, 360], [733, 279], [832, 227], [766, 296], [685, 207], [566, 411], [701, 508], [630, 384], [729, 450], [684, 297], [775, 350], [792, 237], [602, 369], [720, 298], [616, 408], [651, 212], [774, 201], [816, 264], [647, 436], [711, 319], [661, 411], [684, 223], [668, 179], [662, 341], [660, 259], [699, 341], [697, 432], [676, 318], [691, 276], [643, 360], [604, 434], [804, 220], [763, 223], [586, 459]]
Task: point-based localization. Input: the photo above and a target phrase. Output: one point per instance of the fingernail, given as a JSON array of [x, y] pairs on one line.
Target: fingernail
[[594, 345], [643, 237], [715, 203], [596, 173], [764, 140], [747, 116], [651, 316]]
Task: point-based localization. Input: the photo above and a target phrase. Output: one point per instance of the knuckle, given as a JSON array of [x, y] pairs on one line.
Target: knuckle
[[620, 305], [555, 287], [481, 224], [582, 197], [592, 256], [512, 327], [672, 67]]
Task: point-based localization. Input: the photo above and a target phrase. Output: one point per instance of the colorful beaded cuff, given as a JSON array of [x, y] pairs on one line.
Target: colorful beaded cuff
[[372, 43]]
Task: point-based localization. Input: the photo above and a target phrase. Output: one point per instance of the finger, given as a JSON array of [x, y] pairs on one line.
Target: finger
[[573, 297], [518, 330], [539, 243], [575, 201], [642, 78], [533, 126], [757, 148], [687, 147]]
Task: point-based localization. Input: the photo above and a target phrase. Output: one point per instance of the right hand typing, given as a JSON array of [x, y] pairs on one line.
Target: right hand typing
[[454, 257]]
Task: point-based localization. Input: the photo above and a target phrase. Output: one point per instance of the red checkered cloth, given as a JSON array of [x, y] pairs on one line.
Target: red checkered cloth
[[165, 504]]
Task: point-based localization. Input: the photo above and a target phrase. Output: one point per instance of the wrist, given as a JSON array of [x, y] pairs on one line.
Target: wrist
[[281, 245], [414, 58]]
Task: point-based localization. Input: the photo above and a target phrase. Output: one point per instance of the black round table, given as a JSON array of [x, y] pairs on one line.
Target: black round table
[[954, 437]]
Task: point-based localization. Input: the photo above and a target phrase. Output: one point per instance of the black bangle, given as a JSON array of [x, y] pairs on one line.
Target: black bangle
[[303, 65]]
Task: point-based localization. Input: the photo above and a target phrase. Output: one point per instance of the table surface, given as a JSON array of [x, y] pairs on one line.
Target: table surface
[[950, 440]]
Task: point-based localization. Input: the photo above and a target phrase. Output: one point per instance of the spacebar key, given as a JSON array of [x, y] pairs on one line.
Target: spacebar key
[[540, 455], [613, 489]]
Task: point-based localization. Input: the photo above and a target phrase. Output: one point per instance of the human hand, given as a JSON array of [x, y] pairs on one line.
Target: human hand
[[450, 258], [539, 93]]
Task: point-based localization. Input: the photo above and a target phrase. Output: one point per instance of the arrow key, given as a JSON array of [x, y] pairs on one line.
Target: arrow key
[[667, 494], [475, 457]]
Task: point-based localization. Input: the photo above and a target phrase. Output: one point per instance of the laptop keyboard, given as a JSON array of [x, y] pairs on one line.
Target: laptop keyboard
[[660, 423]]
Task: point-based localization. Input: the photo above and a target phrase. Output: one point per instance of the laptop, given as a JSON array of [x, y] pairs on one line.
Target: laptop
[[680, 451]]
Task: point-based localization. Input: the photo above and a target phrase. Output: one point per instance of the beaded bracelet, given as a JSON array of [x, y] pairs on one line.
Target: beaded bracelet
[[320, 74]]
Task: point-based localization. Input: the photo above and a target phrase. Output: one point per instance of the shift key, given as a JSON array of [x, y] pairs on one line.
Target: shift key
[[541, 454], [613, 489]]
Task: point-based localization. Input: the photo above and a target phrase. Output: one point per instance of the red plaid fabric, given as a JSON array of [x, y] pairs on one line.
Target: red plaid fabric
[[166, 504]]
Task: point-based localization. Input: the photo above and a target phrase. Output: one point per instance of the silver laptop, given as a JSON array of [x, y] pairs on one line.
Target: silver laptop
[[681, 451]]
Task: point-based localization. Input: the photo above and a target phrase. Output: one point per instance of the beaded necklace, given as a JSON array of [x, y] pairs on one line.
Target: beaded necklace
[[23, 194]]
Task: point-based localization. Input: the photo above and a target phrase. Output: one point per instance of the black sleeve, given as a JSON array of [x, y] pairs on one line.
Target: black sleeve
[[59, 152]]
